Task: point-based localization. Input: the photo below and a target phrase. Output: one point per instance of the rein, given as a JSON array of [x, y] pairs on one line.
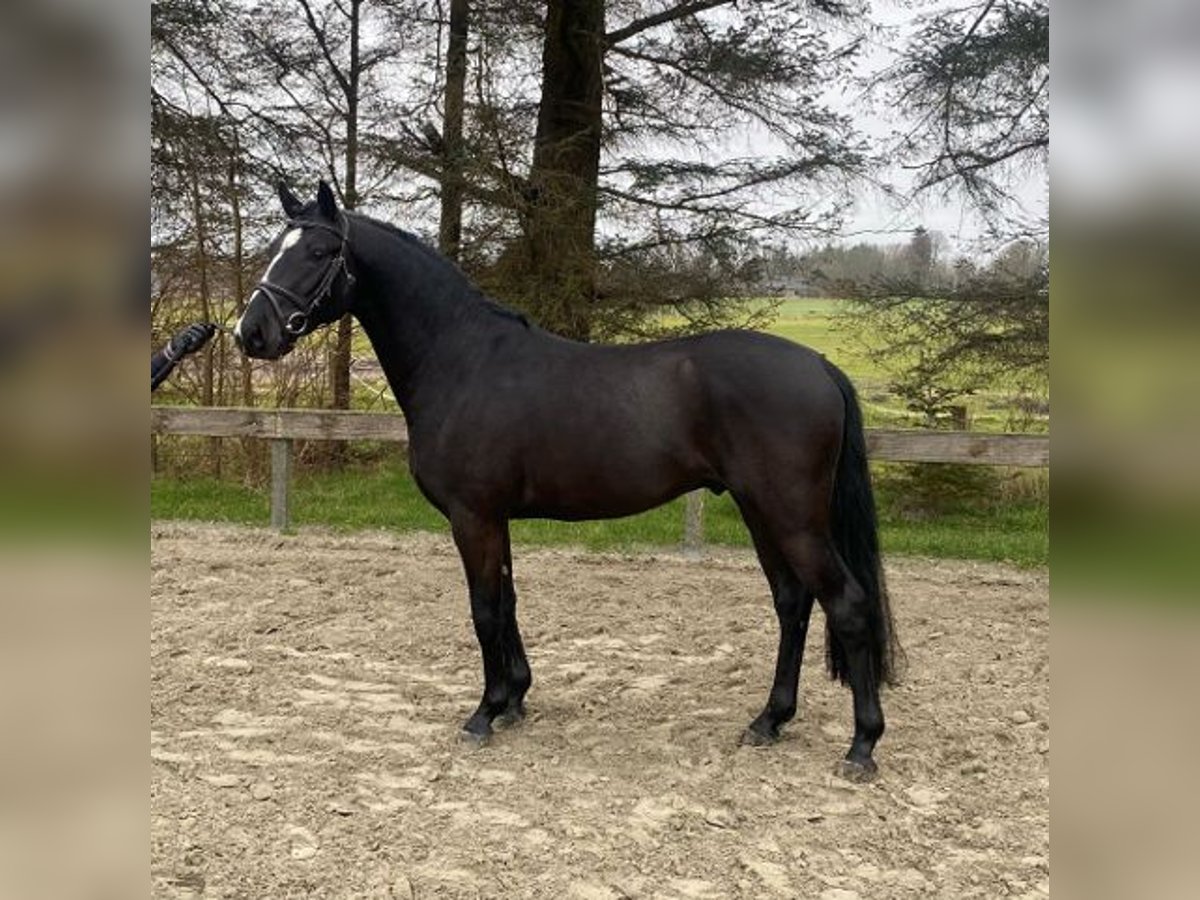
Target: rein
[[296, 324]]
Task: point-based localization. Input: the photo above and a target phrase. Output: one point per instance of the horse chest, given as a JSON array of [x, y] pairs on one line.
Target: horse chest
[[445, 463], [422, 464]]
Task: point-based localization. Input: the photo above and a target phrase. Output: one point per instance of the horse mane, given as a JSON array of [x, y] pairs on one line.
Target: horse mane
[[492, 306]]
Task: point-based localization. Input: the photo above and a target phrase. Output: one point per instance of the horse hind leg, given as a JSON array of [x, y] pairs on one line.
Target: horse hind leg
[[847, 614], [793, 607]]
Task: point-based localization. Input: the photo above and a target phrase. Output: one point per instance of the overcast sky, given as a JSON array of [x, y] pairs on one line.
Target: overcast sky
[[877, 217]]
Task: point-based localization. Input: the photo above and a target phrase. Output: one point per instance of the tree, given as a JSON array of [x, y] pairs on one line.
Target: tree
[[191, 154], [303, 88], [561, 218], [683, 81], [319, 59], [630, 130], [919, 254], [453, 163], [975, 81], [959, 331], [597, 163]]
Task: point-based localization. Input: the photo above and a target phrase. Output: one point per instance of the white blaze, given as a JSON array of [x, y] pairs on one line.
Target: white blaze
[[289, 240]]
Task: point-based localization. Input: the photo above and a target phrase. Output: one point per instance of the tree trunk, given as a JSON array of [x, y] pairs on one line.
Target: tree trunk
[[250, 449], [239, 262], [561, 226], [340, 369], [450, 225], [202, 271], [201, 225]]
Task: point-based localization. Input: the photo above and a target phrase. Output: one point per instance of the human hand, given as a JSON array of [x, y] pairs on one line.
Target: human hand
[[190, 339]]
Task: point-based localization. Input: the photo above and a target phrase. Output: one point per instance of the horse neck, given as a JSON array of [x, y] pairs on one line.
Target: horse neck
[[411, 303]]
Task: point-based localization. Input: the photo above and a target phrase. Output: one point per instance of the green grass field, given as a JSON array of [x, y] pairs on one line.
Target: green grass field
[[926, 511], [815, 322], [1005, 525]]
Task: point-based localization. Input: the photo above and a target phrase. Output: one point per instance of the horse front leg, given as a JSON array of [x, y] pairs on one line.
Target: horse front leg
[[483, 546], [516, 664]]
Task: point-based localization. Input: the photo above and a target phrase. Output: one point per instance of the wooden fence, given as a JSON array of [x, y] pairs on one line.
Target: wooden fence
[[282, 426]]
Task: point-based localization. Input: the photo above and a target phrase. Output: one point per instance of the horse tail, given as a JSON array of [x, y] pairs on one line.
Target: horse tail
[[856, 537]]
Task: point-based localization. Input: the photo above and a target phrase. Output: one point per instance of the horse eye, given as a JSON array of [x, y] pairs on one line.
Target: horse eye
[[317, 252]]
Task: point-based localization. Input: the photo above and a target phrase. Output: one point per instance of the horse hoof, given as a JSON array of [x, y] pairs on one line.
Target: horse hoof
[[474, 739], [752, 737], [858, 772], [510, 718]]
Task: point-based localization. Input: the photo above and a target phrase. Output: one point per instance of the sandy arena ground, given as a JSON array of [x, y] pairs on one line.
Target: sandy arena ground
[[307, 693]]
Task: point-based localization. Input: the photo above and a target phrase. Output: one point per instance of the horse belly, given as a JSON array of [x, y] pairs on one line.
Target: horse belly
[[607, 482]]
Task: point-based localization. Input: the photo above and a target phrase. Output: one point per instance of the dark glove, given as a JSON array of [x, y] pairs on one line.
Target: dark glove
[[190, 339]]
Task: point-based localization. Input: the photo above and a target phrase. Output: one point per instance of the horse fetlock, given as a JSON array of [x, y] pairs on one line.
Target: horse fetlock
[[781, 707], [520, 681], [871, 728]]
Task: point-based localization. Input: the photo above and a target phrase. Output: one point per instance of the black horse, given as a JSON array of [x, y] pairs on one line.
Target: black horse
[[507, 421]]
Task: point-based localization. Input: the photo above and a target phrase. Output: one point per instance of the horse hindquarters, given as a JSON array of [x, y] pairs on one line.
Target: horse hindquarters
[[818, 534]]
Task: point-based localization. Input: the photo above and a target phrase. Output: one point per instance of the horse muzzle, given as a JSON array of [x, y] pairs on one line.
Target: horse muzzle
[[256, 344]]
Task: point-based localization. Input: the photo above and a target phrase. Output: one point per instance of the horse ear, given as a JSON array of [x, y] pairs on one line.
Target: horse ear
[[326, 202], [292, 207]]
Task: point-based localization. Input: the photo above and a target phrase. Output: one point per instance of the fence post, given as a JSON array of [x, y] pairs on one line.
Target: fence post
[[281, 478], [693, 525]]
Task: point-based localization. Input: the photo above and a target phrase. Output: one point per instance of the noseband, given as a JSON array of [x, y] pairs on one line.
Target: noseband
[[296, 324]]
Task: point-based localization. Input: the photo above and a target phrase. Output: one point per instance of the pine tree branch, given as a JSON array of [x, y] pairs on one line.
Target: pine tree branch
[[318, 34], [637, 26]]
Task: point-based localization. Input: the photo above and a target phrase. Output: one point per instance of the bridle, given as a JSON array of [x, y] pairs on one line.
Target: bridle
[[296, 324]]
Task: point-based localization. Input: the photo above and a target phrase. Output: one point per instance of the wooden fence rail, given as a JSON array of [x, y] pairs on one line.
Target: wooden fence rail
[[282, 426]]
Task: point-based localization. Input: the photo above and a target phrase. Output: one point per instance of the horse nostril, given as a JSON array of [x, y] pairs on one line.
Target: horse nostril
[[251, 341]]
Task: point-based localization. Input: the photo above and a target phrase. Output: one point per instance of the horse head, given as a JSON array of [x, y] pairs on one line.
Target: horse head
[[308, 282]]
